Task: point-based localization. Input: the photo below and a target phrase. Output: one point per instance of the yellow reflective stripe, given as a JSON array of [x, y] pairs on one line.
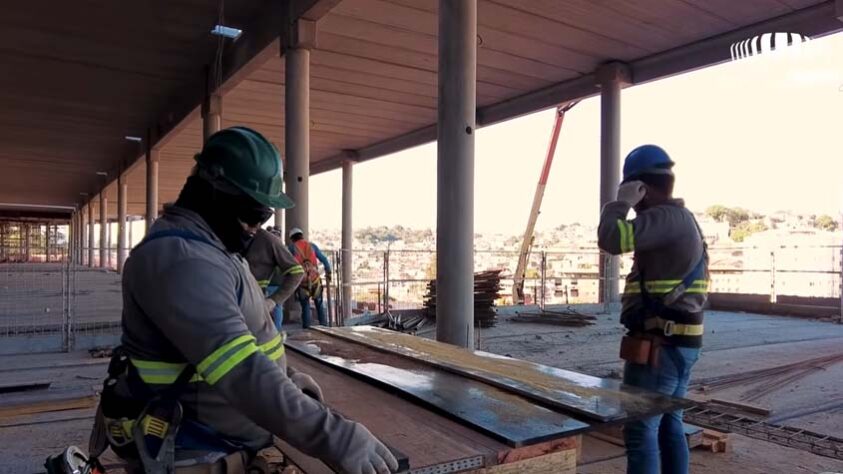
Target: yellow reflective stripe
[[273, 349], [156, 372], [276, 354], [661, 287], [224, 368], [154, 364], [294, 270], [676, 329], [627, 236], [222, 350], [263, 284], [271, 343]]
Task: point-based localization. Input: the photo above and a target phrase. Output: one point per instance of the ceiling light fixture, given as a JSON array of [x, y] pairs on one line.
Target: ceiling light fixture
[[132, 138], [102, 173], [226, 32]]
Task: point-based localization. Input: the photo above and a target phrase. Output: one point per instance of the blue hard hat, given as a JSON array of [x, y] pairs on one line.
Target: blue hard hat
[[646, 159]]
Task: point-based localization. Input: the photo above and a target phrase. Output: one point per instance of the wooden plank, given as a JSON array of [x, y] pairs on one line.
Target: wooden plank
[[572, 392], [25, 386], [53, 402], [425, 437], [562, 462], [492, 411], [744, 407]]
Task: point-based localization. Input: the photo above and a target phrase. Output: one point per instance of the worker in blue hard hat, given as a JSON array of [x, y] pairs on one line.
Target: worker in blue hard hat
[[201, 377], [662, 303]]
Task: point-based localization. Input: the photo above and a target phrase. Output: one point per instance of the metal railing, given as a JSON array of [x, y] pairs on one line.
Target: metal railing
[[398, 279]]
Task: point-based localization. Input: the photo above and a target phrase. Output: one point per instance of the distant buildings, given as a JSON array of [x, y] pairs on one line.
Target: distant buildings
[[792, 258]]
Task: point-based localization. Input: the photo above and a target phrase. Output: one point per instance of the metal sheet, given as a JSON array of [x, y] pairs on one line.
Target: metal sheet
[[497, 413], [572, 392]]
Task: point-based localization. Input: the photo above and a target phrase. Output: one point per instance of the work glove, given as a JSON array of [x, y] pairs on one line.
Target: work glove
[[269, 304], [366, 455], [632, 192], [306, 384]]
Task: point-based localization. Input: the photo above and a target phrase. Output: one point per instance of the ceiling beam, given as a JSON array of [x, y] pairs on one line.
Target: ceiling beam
[[257, 45], [819, 20]]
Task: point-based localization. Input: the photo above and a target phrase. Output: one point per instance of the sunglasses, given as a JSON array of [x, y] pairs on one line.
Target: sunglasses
[[255, 216]]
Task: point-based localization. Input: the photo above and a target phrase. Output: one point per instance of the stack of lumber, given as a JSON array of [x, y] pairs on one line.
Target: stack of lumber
[[569, 317], [487, 287]]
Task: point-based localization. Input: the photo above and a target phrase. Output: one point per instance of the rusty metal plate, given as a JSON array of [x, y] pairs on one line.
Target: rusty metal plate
[[581, 395], [497, 413]]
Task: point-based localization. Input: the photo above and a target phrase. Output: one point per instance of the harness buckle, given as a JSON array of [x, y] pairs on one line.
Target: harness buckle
[[668, 328]]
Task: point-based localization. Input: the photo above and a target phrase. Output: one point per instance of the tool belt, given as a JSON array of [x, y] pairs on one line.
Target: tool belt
[[142, 429]]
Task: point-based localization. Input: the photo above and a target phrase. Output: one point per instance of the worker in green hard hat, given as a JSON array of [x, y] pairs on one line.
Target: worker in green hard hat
[[201, 376]]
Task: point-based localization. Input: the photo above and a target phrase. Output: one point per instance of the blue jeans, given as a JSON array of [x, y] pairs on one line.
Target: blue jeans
[[305, 311], [278, 311], [278, 316], [660, 438]]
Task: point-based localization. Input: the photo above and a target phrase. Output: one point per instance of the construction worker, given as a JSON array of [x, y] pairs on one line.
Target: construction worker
[[199, 353], [662, 302], [307, 254], [276, 271]]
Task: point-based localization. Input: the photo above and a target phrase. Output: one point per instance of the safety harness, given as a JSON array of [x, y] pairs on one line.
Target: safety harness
[[144, 426], [657, 316]]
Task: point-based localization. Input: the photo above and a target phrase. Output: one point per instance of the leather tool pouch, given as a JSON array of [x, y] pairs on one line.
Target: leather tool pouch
[[635, 349]]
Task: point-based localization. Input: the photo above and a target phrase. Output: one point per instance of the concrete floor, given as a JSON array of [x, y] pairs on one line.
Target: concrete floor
[[733, 343]]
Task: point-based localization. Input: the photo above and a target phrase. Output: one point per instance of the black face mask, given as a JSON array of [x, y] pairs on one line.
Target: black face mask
[[223, 212]]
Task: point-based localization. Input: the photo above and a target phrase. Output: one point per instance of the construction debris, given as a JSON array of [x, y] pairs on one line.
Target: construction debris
[[487, 287], [769, 380], [743, 407], [408, 322], [715, 441], [569, 317], [817, 443], [25, 386]]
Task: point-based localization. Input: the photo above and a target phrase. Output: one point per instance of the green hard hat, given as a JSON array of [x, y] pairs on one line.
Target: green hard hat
[[244, 158]]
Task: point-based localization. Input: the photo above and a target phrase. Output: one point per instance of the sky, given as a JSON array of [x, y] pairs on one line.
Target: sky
[[764, 133]]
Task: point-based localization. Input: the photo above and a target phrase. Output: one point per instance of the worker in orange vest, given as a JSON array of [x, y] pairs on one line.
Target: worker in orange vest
[[307, 254]]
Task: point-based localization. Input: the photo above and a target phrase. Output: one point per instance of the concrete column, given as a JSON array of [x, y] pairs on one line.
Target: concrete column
[[455, 172], [47, 232], [27, 242], [151, 186], [77, 240], [611, 77], [122, 196], [91, 233], [347, 253], [211, 116], [103, 229], [299, 39]]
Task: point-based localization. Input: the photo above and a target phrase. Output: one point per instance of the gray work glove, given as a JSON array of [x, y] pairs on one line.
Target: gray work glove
[[632, 192], [306, 384], [366, 455], [269, 304]]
